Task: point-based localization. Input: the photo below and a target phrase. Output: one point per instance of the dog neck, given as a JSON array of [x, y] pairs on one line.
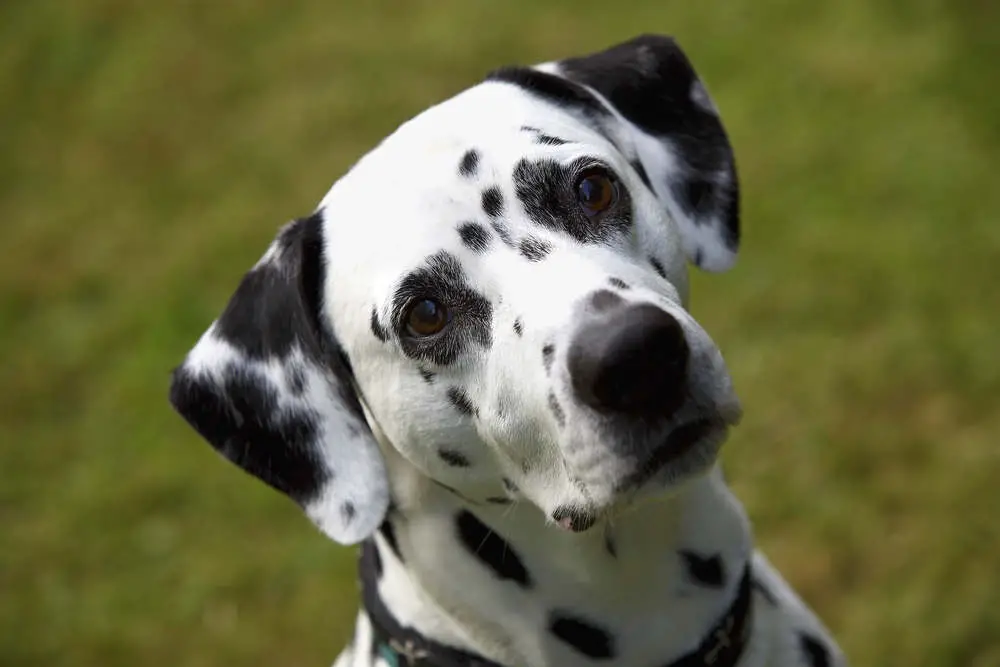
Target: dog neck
[[499, 581]]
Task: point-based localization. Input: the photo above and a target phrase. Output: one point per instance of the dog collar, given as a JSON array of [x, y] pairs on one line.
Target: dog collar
[[400, 646]]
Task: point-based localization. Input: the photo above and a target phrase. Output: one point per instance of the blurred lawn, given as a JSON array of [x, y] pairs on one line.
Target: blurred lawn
[[148, 151]]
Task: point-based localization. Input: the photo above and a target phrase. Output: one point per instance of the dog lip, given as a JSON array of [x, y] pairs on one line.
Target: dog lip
[[574, 519], [680, 441]]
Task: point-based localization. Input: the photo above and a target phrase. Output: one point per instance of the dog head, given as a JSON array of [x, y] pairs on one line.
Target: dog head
[[496, 292]]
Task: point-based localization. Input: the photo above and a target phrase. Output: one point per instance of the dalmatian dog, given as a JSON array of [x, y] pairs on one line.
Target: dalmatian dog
[[475, 359]]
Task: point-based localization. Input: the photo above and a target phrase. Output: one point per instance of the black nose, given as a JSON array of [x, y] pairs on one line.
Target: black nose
[[631, 360]]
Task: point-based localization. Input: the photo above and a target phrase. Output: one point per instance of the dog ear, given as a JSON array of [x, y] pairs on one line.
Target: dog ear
[[651, 104], [269, 387]]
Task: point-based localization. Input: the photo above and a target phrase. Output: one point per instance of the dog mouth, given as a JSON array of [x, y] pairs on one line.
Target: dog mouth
[[686, 450], [678, 450]]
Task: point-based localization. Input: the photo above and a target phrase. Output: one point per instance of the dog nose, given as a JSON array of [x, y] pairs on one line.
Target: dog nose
[[630, 360]]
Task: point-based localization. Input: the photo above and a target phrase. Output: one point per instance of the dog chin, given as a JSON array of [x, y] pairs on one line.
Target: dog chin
[[686, 453]]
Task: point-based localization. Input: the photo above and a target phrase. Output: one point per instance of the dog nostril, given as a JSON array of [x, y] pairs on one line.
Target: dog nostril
[[634, 363]]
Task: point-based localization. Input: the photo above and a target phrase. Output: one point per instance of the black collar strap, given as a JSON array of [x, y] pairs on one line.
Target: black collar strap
[[724, 643], [402, 647]]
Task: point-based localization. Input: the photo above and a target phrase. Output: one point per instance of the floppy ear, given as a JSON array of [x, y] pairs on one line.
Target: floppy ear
[[652, 105], [268, 386]]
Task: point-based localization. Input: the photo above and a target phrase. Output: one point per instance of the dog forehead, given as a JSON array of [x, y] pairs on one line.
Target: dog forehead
[[405, 199]]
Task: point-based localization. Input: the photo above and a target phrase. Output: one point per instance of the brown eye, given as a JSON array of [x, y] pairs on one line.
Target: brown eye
[[596, 192], [426, 318]]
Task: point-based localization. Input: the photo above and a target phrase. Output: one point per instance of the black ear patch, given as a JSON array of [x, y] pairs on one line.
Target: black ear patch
[[269, 387], [278, 449], [650, 81], [671, 134]]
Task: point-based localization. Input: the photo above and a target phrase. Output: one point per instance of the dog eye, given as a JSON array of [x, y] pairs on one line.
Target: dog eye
[[596, 191], [426, 317]]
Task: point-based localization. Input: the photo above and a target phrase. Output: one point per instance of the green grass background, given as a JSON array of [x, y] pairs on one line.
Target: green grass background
[[148, 151]]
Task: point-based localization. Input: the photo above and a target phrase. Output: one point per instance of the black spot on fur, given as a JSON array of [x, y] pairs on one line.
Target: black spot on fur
[[503, 233], [492, 550], [618, 282], [469, 164], [549, 140], [557, 410], [441, 278], [534, 249], [816, 653], [388, 532], [453, 458], [427, 375], [493, 201], [348, 511], [509, 486], [553, 89], [475, 237], [580, 519], [377, 327], [548, 354], [658, 267], [461, 401], [518, 327], [705, 571], [546, 190], [582, 635]]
